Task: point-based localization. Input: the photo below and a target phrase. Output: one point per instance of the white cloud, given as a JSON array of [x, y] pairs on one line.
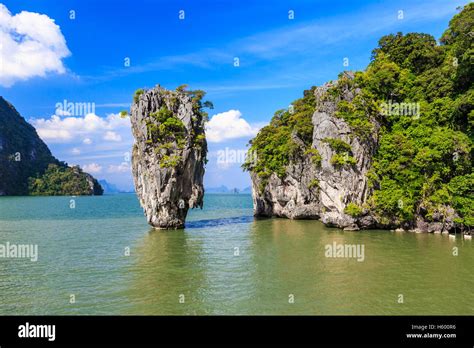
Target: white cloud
[[61, 112], [76, 151], [229, 125], [31, 45], [88, 129], [121, 168], [61, 135], [112, 136], [92, 168]]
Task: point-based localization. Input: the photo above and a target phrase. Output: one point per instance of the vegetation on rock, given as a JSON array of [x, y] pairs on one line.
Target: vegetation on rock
[[315, 156], [137, 94], [61, 180], [353, 210], [421, 94], [314, 184], [168, 134], [424, 162], [275, 145]]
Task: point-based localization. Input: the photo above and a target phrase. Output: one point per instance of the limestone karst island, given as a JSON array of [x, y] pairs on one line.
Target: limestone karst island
[[389, 147], [248, 158]]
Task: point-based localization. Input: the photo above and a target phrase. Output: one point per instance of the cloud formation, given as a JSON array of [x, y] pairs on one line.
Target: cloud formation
[[92, 168], [229, 125], [123, 167], [112, 136], [82, 129], [31, 44]]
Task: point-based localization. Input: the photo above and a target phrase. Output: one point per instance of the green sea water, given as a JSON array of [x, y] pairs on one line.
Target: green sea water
[[224, 262]]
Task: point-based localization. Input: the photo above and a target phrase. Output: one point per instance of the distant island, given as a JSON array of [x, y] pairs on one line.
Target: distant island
[[27, 166], [110, 188], [225, 189]]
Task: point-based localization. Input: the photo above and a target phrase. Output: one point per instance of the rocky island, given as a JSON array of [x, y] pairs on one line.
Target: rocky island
[[169, 153], [27, 166], [388, 147]]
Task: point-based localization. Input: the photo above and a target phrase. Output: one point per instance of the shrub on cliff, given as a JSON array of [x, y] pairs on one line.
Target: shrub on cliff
[[274, 145]]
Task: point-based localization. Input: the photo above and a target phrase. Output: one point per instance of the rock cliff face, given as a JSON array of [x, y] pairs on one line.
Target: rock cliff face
[[22, 152], [323, 191], [168, 155], [340, 185], [27, 166], [339, 180]]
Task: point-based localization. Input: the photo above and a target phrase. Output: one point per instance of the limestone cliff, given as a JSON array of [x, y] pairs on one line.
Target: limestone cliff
[[387, 147], [169, 154], [325, 175], [320, 190]]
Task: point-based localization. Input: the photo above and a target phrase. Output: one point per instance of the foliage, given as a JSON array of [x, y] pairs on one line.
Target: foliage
[[338, 145], [200, 140], [458, 41], [181, 88], [424, 164], [343, 155], [353, 210], [62, 180], [137, 94], [314, 184], [414, 51], [165, 127], [168, 134], [340, 160], [315, 156], [169, 161], [461, 189], [275, 144]]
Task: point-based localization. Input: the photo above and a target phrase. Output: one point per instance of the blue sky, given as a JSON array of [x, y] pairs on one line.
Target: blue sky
[[82, 60]]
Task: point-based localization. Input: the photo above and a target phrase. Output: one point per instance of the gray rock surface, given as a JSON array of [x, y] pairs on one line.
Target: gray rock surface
[[292, 196], [167, 192]]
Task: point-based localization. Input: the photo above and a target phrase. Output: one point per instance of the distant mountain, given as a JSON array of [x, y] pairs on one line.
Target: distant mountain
[[220, 189], [248, 189], [108, 187], [225, 189], [111, 188], [27, 166]]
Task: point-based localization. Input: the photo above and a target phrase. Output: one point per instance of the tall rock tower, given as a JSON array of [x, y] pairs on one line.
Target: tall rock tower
[[169, 153]]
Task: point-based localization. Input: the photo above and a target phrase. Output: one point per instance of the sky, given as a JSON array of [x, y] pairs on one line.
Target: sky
[[70, 67]]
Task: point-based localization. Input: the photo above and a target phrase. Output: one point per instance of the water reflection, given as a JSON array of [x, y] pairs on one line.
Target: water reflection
[[231, 266], [219, 222], [170, 264]]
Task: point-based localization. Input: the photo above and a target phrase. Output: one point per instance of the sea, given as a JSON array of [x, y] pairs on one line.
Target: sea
[[98, 256]]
